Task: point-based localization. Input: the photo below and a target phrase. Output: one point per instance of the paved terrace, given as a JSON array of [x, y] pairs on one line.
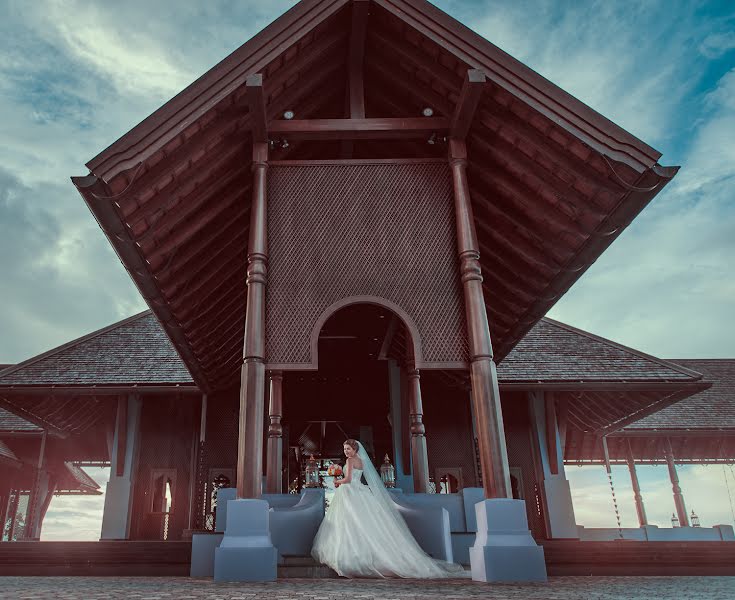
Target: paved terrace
[[178, 588]]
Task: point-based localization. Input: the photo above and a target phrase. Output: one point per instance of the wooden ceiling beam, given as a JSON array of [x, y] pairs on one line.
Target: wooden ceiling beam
[[235, 244], [523, 199], [494, 116], [308, 89], [469, 98], [198, 325], [311, 61], [229, 344], [404, 83], [226, 128], [421, 61], [569, 201], [195, 253], [520, 237], [193, 197], [538, 272], [211, 276], [359, 129], [188, 310], [256, 104], [179, 236]]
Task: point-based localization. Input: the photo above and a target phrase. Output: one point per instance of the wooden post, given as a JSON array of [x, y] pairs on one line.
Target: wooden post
[[552, 449], [5, 492], [252, 378], [483, 374], [274, 479], [639, 508], [122, 434], [419, 455], [681, 510], [34, 501], [13, 512]]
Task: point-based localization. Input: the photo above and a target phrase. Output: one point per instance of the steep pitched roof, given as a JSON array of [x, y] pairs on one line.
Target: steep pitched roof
[[713, 408], [556, 352], [13, 422], [76, 479], [134, 351], [7, 456], [553, 183]]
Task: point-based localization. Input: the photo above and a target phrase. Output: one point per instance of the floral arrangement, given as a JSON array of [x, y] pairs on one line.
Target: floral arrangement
[[334, 470]]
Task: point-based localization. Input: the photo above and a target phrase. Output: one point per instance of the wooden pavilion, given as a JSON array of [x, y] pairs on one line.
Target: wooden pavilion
[[347, 207], [545, 382]]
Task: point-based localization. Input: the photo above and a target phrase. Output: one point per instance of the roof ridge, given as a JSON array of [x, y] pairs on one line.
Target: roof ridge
[[638, 353], [80, 340]]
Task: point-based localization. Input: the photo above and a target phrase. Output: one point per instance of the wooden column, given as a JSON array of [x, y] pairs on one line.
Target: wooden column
[[681, 510], [552, 448], [35, 501], [639, 508], [274, 479], [419, 455], [5, 491], [252, 378], [12, 515], [483, 374], [121, 426]]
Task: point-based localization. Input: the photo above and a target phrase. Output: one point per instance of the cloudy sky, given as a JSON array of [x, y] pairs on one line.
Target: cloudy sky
[[76, 75]]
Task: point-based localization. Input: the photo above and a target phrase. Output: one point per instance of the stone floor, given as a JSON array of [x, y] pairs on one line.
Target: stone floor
[[182, 588]]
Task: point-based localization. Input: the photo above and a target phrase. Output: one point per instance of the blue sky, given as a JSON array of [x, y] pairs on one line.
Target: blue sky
[[75, 76]]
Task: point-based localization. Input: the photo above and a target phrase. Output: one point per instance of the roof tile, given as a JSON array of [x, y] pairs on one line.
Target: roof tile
[[12, 422], [556, 352], [713, 408], [133, 351]]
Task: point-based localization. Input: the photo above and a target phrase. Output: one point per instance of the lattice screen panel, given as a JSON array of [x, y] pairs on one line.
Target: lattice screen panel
[[368, 229]]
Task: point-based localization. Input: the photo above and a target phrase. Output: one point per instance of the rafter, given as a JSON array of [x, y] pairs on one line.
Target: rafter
[[469, 98], [256, 104]]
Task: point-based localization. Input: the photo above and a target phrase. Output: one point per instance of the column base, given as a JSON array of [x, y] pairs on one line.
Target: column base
[[560, 510], [116, 514], [504, 550], [246, 552]]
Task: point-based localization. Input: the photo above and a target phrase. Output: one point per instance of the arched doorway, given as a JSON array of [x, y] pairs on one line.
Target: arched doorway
[[352, 394]]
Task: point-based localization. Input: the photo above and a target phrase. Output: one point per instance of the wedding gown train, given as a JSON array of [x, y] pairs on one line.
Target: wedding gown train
[[362, 535]]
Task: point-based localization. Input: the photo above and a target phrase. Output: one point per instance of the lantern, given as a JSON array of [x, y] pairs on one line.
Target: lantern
[[674, 520], [388, 473], [695, 520], [311, 473]]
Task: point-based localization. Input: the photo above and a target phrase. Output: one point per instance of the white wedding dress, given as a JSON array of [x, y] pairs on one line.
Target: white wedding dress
[[364, 535]]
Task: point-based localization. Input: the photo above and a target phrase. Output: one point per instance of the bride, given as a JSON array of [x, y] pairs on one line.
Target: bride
[[364, 535]]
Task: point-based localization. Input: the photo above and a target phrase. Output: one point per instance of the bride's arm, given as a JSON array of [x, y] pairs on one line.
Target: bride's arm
[[348, 474]]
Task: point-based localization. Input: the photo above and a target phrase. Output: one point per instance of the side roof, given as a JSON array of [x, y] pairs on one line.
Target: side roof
[[554, 352], [10, 422], [134, 351], [713, 408], [7, 456]]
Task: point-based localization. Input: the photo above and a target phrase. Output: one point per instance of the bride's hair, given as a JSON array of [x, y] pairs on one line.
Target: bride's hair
[[352, 444]]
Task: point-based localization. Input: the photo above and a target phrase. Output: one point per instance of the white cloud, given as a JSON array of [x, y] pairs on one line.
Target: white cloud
[[667, 286], [76, 518], [716, 45], [704, 489], [620, 58]]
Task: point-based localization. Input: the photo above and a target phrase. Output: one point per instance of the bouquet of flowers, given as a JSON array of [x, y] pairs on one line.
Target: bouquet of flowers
[[334, 470]]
